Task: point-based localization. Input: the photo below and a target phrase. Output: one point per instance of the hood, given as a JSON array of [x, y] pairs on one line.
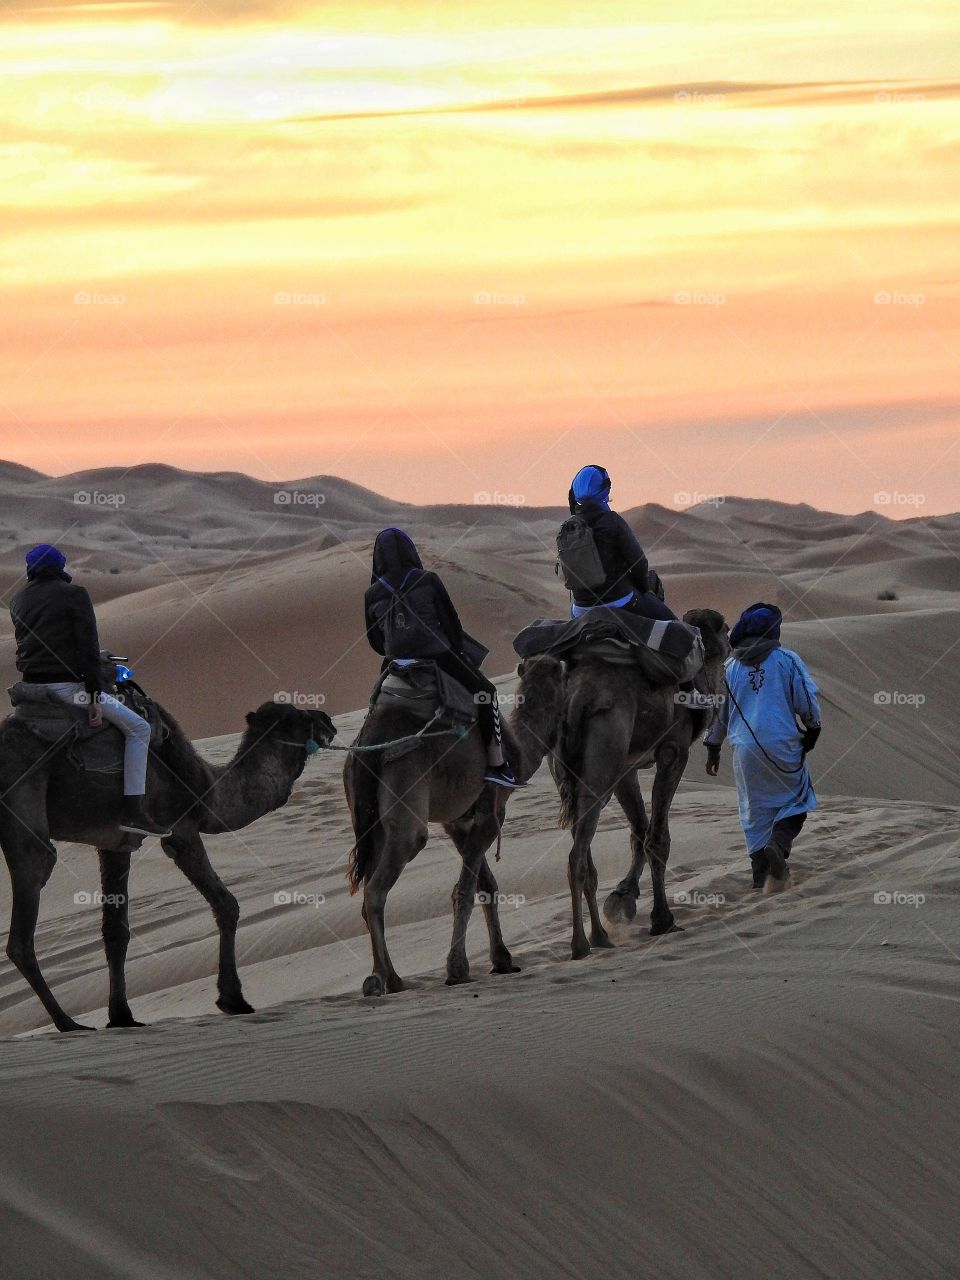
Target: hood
[[394, 555]]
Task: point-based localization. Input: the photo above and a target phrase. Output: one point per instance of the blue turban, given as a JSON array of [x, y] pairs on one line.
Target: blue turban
[[45, 557], [759, 622], [591, 484]]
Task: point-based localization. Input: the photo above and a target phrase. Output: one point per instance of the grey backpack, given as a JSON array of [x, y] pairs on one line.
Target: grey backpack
[[578, 560]]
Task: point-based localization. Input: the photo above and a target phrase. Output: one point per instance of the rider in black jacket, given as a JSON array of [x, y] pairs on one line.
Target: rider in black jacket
[[630, 582], [58, 647], [400, 587]]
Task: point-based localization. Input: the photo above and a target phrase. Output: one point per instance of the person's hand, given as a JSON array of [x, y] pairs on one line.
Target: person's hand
[[95, 713], [713, 763], [810, 738]]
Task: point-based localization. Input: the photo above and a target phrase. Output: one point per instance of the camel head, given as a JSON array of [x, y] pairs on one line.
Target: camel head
[[541, 696], [290, 724], [713, 632]]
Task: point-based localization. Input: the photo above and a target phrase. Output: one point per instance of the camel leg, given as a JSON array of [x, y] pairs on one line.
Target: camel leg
[[598, 934], [188, 852], [385, 875], [671, 762], [621, 904], [584, 829], [472, 839], [31, 859], [114, 878], [500, 957]]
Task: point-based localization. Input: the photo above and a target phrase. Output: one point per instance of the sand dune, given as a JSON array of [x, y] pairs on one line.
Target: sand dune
[[768, 1092], [518, 1125]]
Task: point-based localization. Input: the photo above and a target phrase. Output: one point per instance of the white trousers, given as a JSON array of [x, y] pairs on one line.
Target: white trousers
[[135, 730]]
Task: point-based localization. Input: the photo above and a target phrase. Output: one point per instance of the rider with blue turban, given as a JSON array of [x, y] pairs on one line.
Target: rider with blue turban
[[630, 583]]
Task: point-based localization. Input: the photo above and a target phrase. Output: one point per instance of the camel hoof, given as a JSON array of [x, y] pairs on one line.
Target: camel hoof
[[620, 906], [602, 941], [70, 1025], [459, 982], [581, 952], [506, 968], [373, 986], [129, 1021], [234, 1006], [395, 984], [669, 926]]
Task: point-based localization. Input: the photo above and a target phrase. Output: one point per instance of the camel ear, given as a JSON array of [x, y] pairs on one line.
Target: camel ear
[[522, 668], [251, 716]]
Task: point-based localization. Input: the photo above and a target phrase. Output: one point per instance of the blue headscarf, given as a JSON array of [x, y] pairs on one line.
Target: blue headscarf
[[590, 484], [43, 557], [758, 622]]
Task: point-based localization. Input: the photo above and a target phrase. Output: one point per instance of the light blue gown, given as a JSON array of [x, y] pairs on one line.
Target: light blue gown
[[768, 697]]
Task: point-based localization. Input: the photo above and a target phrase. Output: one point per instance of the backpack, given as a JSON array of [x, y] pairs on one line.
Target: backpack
[[578, 560], [404, 632]]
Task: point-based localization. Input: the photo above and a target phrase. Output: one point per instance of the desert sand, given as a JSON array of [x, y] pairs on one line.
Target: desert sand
[[771, 1092]]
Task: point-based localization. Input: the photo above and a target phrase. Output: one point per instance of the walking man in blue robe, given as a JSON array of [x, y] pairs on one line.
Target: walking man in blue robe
[[767, 691]]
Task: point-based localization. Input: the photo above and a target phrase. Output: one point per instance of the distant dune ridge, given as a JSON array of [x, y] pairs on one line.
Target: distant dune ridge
[[767, 1093]]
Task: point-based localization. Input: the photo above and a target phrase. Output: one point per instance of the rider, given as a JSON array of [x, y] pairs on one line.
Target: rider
[[58, 647], [432, 629], [768, 689], [630, 582]]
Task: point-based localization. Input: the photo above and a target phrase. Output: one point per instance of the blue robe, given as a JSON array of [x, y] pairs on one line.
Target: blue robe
[[769, 697]]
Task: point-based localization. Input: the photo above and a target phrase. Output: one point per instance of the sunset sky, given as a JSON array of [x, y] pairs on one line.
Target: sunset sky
[[450, 249]]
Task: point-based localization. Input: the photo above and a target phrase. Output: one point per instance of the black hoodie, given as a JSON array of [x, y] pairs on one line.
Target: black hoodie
[[56, 631], [400, 586]]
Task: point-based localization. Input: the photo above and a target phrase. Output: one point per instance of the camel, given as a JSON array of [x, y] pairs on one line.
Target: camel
[[616, 721], [43, 798], [393, 801]]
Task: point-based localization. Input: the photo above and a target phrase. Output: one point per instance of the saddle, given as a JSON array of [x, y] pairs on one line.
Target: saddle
[[665, 652], [428, 695], [93, 750]]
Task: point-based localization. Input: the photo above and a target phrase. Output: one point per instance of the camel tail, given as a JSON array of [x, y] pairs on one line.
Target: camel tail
[[365, 808]]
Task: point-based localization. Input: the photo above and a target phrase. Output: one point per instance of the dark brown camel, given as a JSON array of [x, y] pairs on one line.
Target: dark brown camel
[[616, 721], [44, 798], [392, 803]]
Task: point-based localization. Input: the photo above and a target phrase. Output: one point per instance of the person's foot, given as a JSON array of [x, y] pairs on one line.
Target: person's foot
[[502, 776], [134, 818], [758, 862]]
